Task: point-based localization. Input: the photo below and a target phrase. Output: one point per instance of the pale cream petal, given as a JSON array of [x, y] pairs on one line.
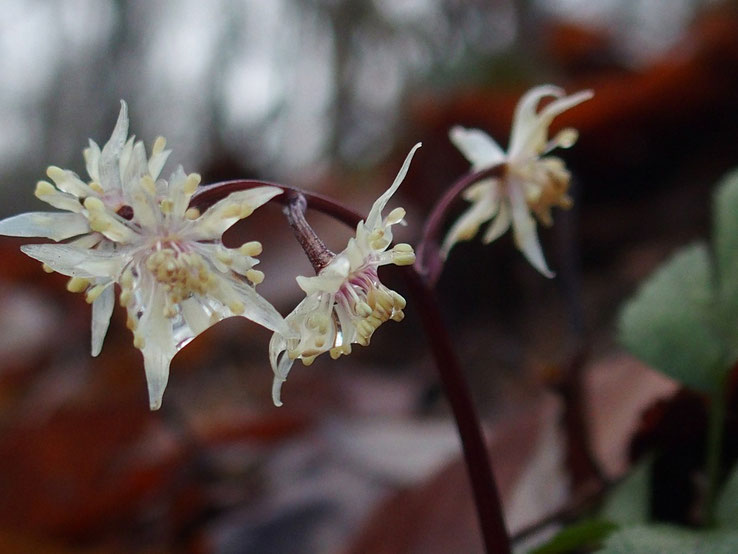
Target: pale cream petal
[[499, 225], [76, 262], [259, 310], [69, 182], [102, 310], [281, 364], [467, 226], [136, 167], [159, 347], [330, 278], [109, 166], [158, 157], [477, 146], [374, 219], [55, 226], [92, 160], [196, 315], [218, 218], [526, 119], [48, 193], [524, 231]]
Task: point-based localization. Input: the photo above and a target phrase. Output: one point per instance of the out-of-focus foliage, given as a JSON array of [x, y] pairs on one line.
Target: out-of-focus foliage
[[628, 503], [586, 534], [658, 539], [684, 319], [726, 509]]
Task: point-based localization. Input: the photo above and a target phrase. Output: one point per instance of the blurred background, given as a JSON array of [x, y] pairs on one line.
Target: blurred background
[[329, 95]]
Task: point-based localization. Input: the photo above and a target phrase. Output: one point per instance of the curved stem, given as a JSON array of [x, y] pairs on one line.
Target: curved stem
[[207, 195], [479, 466], [476, 455], [429, 262]]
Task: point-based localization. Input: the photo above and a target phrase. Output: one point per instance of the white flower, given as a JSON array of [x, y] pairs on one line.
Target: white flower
[[530, 182], [135, 229], [345, 302]]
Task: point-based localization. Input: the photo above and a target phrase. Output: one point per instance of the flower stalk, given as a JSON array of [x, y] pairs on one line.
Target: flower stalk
[[315, 249], [476, 455]]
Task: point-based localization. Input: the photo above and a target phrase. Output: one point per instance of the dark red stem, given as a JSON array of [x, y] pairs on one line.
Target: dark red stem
[[478, 463], [476, 454], [429, 262]]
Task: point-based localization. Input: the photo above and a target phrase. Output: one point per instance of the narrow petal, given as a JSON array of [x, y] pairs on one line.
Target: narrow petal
[[218, 218], [467, 226], [525, 119], [48, 193], [259, 310], [500, 224], [137, 167], [374, 219], [92, 160], [55, 226], [159, 348], [477, 146], [281, 365], [102, 309], [158, 157], [524, 231], [109, 166], [76, 262], [196, 315], [330, 278]]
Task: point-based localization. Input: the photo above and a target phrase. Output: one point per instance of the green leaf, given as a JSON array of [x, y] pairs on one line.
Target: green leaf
[[726, 508], [669, 324], [667, 539], [725, 242], [586, 534], [725, 231], [629, 502]]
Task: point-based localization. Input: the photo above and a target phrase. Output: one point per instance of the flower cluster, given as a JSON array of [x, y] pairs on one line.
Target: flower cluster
[[129, 227], [346, 302], [532, 180]]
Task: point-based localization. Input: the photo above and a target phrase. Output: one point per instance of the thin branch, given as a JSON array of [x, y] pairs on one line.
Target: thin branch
[[207, 195], [429, 262], [476, 455], [315, 249]]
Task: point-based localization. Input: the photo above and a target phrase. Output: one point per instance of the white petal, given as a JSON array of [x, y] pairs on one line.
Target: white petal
[[500, 224], [159, 348], [224, 213], [196, 315], [46, 192], [157, 162], [281, 365], [467, 226], [524, 230], [330, 278], [259, 310], [92, 160], [136, 167], [76, 262], [563, 104], [55, 226], [477, 146], [109, 166], [374, 219], [102, 309], [525, 120]]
